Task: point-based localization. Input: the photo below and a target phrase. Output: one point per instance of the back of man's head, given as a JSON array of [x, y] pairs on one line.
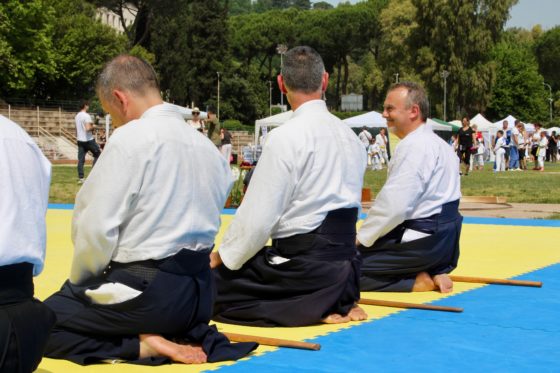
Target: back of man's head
[[416, 95], [83, 105], [127, 73], [303, 69]]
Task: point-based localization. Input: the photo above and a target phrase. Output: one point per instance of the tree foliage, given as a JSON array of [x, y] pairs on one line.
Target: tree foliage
[[547, 50], [519, 88]]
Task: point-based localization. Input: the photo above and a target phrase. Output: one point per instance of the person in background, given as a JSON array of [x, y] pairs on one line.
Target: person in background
[[225, 139], [196, 122], [213, 125], [383, 142], [500, 150], [466, 140], [535, 140], [25, 322], [541, 154], [365, 137], [86, 142], [522, 146]]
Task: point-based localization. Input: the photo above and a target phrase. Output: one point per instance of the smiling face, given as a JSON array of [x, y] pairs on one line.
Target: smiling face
[[399, 114]]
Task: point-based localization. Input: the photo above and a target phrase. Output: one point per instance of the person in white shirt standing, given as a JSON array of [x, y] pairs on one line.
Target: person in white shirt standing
[[500, 151], [143, 227], [541, 153], [409, 240], [365, 137], [374, 154], [25, 322], [383, 142], [86, 142], [305, 194]]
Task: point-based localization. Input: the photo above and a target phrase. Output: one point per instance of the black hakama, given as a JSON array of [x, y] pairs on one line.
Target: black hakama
[[392, 265], [320, 278], [25, 322], [176, 302]]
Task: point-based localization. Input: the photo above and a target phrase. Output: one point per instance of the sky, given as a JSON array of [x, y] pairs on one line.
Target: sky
[[526, 13]]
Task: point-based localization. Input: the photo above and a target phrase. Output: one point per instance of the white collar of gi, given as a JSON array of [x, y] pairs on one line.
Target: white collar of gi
[[310, 106], [161, 110]]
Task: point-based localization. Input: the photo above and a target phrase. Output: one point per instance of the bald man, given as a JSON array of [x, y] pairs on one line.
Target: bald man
[[140, 288]]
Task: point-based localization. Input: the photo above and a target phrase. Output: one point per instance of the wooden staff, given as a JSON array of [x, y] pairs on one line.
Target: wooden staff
[[272, 341], [419, 306], [495, 281]]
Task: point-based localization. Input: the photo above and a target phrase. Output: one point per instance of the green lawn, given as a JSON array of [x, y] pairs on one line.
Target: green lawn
[[521, 187], [527, 186]]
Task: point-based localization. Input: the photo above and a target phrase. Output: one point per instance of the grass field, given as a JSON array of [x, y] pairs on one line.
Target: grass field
[[518, 187], [521, 187]]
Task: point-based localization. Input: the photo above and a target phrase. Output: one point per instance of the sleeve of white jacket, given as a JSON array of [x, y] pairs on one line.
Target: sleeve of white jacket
[[395, 200], [101, 207], [267, 197]]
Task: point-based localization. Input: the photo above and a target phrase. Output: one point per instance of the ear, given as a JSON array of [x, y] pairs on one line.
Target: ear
[[121, 99], [325, 81], [281, 85], [414, 112]]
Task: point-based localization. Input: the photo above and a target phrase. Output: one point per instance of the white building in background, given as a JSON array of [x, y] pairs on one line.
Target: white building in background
[[113, 20], [352, 102]]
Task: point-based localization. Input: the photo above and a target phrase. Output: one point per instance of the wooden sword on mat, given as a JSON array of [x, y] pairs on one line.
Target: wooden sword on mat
[[495, 281], [419, 306], [234, 337]]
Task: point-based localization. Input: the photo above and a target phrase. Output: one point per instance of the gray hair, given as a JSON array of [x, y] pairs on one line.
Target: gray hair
[[126, 73], [303, 69], [416, 95]]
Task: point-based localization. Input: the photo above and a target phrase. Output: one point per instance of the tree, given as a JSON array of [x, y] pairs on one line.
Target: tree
[[82, 46], [26, 52], [322, 5], [547, 51], [519, 88], [457, 36], [189, 41]]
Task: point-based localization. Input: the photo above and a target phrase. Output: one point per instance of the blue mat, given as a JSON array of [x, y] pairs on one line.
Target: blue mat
[[503, 329]]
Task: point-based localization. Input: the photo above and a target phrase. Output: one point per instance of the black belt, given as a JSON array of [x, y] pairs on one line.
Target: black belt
[[16, 283]]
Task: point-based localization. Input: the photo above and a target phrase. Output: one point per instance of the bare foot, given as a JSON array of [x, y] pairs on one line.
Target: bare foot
[[335, 318], [444, 283], [357, 314], [153, 345], [423, 282]]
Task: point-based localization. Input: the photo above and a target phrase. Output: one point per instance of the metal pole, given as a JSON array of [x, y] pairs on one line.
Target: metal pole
[[218, 111], [397, 78], [550, 99], [59, 121], [9, 111], [37, 120], [281, 49]]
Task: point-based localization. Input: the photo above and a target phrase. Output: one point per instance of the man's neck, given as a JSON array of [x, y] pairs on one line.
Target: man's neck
[[142, 104], [413, 126], [296, 99]]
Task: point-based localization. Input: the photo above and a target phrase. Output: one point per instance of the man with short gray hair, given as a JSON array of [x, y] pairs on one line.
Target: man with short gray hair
[[305, 194], [410, 239], [140, 287]]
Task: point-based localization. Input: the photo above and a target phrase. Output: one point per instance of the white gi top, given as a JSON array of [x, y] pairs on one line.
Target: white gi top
[[381, 141], [159, 186], [82, 118], [309, 166], [365, 138], [423, 175], [25, 176]]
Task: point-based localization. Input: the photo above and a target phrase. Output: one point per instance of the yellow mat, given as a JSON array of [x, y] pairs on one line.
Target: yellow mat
[[487, 251]]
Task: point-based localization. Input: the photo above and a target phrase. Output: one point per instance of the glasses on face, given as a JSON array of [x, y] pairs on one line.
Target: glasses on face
[[195, 113]]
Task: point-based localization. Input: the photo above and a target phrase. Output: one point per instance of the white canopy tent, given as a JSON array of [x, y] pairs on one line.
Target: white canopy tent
[[510, 119], [373, 119], [550, 130], [272, 121], [482, 123]]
